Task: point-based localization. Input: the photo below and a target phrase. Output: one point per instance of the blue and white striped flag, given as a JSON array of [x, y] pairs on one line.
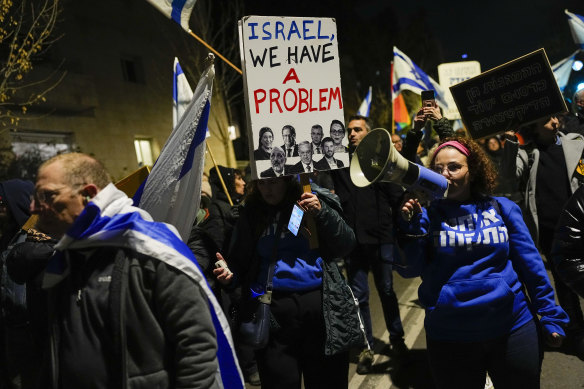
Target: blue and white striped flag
[[182, 94], [365, 107], [110, 220], [408, 76], [576, 23], [172, 192], [563, 69], [177, 10]]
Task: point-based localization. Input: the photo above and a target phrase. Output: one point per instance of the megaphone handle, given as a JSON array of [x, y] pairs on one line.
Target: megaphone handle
[[310, 223]]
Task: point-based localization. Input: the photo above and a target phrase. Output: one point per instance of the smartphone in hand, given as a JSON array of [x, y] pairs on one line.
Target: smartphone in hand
[[295, 219], [428, 98]]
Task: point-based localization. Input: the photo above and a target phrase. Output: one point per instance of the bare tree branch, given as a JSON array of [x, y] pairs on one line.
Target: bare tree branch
[[26, 31]]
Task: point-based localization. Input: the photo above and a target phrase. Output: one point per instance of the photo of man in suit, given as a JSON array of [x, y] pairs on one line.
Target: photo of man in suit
[[279, 167], [289, 135], [306, 164], [316, 134], [328, 161]]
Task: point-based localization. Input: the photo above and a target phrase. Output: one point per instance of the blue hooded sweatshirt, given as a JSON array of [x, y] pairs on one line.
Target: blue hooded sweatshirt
[[474, 260]]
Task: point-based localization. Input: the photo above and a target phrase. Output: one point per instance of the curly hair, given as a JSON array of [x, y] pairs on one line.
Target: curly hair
[[483, 177]]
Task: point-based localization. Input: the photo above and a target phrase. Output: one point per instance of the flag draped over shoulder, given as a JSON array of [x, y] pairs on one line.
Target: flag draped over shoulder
[[177, 10], [563, 69], [576, 23], [110, 220], [182, 94], [172, 191], [365, 106], [408, 76]]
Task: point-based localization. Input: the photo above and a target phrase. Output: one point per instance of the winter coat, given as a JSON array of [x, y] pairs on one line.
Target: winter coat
[[522, 165], [157, 317], [336, 239], [568, 245]]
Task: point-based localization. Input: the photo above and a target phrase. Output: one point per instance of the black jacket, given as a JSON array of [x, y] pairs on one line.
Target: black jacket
[[213, 234], [568, 244], [150, 323], [16, 195], [335, 240], [369, 211], [413, 138]]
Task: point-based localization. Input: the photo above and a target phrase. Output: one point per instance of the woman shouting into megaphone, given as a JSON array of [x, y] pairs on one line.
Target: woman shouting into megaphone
[[477, 259]]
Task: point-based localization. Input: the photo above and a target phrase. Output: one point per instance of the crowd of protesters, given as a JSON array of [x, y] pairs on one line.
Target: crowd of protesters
[[122, 314]]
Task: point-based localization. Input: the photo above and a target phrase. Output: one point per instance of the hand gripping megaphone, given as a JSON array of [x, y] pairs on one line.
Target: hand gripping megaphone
[[376, 159]]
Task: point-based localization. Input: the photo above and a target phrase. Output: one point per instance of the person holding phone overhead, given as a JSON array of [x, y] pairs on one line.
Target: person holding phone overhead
[[305, 310], [429, 113]]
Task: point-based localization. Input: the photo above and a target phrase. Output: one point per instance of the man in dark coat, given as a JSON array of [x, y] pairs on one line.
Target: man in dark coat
[[125, 310], [369, 211], [18, 362]]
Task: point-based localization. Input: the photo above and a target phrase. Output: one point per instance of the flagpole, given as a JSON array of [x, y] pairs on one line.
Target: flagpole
[[219, 174], [216, 53], [391, 96]]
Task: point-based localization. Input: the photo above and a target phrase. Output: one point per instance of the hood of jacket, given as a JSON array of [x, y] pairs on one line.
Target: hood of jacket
[[228, 175], [16, 195]]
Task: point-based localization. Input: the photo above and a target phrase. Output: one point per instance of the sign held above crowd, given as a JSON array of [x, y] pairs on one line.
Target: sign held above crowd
[[453, 73], [508, 96], [293, 96]]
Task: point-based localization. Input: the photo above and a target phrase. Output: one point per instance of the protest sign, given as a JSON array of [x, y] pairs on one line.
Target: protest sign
[[453, 73], [293, 95], [508, 96]]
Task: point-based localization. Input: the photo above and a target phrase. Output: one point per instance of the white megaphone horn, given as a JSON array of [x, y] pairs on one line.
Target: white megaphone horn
[[376, 159]]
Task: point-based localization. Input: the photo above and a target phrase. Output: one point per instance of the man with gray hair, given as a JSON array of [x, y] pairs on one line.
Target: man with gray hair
[[306, 164], [279, 167], [129, 307]]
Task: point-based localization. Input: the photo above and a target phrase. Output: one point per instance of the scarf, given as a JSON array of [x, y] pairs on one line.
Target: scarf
[[110, 220]]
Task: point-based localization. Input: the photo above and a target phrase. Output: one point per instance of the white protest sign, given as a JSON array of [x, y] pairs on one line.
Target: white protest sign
[[293, 95], [451, 74]]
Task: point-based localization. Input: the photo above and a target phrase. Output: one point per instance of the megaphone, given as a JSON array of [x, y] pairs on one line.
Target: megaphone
[[376, 159]]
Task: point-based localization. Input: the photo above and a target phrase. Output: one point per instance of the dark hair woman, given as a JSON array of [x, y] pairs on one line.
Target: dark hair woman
[[477, 259], [266, 138], [301, 302]]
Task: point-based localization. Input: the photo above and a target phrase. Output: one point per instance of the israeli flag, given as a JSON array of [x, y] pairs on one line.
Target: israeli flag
[[563, 69], [576, 23], [110, 220], [177, 10], [182, 94], [365, 105], [408, 76], [172, 191]]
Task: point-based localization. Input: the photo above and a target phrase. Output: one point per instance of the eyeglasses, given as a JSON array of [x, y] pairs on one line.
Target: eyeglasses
[[47, 196], [453, 168]]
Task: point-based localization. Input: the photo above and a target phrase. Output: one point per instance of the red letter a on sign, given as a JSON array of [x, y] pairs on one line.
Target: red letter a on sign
[[291, 76]]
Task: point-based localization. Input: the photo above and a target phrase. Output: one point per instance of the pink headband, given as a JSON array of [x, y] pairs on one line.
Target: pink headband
[[452, 143]]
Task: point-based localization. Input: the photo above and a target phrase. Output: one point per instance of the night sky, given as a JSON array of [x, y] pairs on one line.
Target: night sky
[[492, 32]]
